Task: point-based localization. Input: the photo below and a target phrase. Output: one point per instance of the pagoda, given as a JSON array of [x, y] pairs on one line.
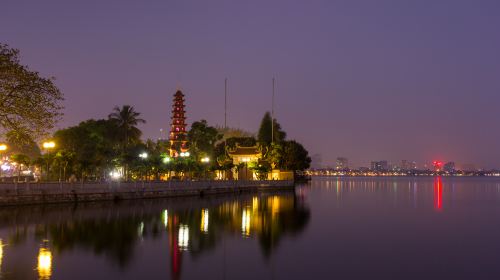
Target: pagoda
[[178, 134]]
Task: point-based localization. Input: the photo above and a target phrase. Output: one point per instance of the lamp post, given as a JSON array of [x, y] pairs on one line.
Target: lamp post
[[49, 145], [144, 157], [3, 148], [205, 160], [185, 155]]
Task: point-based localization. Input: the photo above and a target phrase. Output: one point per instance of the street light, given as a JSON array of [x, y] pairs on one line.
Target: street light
[[166, 160], [205, 160], [3, 148], [143, 156], [48, 145]]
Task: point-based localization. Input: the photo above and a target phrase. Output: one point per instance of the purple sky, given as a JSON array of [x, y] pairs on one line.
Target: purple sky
[[368, 80]]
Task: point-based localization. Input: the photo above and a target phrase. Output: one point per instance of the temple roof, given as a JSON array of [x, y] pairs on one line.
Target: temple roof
[[241, 151]]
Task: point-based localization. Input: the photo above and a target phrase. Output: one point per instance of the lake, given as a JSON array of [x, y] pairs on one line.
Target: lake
[[330, 228]]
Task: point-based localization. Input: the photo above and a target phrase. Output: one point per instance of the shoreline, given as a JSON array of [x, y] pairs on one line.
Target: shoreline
[[13, 194]]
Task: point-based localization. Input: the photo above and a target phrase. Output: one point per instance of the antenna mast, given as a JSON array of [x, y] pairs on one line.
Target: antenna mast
[[272, 114], [225, 103]]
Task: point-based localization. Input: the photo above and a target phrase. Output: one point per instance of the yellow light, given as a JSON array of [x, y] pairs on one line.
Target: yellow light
[[44, 264], [204, 220], [49, 145], [245, 222], [205, 159], [3, 147]]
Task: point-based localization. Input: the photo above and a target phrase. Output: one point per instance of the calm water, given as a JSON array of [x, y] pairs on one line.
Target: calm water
[[347, 228]]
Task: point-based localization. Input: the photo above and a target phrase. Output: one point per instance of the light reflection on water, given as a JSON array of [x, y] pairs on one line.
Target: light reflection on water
[[343, 228]]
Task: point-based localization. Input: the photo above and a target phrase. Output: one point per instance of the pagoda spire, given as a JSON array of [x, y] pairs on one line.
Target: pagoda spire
[[178, 133]]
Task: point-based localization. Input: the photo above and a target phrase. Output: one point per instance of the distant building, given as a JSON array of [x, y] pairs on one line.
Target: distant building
[[408, 165], [382, 165], [449, 167], [468, 167], [342, 163], [437, 165]]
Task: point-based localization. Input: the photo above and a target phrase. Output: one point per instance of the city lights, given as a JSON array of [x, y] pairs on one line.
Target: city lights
[[166, 160], [143, 155], [3, 147], [184, 154]]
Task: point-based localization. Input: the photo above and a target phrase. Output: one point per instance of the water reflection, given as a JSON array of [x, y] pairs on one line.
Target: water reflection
[[438, 193], [44, 266], [190, 226]]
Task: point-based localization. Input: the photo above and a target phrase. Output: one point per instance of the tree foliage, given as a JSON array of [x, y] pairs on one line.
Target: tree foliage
[[265, 134], [294, 156], [127, 120], [202, 139], [30, 105]]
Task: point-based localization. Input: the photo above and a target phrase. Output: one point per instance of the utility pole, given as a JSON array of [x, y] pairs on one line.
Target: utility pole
[[272, 114], [225, 103]]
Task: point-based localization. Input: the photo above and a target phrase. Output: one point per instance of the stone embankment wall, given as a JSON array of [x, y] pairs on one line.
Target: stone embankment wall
[[34, 193]]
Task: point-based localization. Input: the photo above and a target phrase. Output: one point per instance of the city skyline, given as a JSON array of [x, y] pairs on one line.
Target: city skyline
[[349, 81]]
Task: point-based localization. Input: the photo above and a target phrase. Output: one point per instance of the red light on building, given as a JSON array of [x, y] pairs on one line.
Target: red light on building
[[437, 165]]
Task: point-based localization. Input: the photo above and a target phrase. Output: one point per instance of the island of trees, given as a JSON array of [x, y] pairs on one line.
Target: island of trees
[[30, 106]]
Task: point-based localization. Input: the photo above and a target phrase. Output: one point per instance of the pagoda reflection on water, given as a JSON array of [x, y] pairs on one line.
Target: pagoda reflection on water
[[192, 230]]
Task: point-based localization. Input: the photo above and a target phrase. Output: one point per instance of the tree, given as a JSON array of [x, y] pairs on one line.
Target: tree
[[295, 156], [93, 144], [24, 145], [127, 119], [30, 105], [202, 139], [22, 161], [265, 132]]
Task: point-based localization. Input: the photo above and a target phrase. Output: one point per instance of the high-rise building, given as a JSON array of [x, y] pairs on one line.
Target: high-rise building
[[382, 165], [408, 165], [342, 163], [178, 133], [449, 167]]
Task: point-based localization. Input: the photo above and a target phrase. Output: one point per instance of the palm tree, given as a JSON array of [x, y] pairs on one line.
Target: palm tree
[[127, 119]]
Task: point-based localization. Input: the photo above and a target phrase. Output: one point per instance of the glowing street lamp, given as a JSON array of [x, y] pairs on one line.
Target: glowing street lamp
[[143, 155], [205, 160], [3, 148], [166, 160], [48, 145], [185, 154]]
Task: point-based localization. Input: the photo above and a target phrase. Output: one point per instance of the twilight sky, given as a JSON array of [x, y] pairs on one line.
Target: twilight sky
[[368, 80]]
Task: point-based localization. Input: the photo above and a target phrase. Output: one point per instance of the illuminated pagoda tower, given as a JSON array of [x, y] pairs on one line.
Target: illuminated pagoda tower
[[178, 134]]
